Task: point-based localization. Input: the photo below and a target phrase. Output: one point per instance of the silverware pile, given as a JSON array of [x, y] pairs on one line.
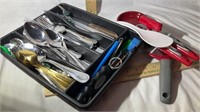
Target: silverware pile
[[46, 34]]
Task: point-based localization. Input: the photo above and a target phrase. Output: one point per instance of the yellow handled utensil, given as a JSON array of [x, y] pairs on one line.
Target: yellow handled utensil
[[29, 58]]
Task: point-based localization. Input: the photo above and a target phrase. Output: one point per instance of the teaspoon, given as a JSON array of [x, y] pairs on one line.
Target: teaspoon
[[57, 41], [75, 74], [29, 58], [37, 35]]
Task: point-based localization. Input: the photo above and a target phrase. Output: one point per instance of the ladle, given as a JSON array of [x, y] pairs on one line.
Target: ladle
[[29, 58], [150, 37]]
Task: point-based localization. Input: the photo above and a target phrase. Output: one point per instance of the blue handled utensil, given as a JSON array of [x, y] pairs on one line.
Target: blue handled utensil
[[116, 62], [108, 54]]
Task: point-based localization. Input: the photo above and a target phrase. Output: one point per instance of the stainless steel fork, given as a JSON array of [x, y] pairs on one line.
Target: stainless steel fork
[[46, 22]]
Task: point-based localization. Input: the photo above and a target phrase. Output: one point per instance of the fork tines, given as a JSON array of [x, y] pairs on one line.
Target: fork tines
[[44, 21]]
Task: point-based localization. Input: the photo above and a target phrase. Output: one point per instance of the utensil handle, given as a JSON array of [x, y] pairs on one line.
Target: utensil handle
[[5, 50], [73, 59], [106, 57], [61, 21], [76, 54], [165, 80], [93, 85], [77, 75], [65, 63], [82, 38], [93, 35], [62, 56], [60, 80]]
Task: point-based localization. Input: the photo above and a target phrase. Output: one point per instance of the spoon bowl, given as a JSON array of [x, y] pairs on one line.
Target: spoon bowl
[[37, 35], [36, 49], [75, 74], [53, 38], [16, 41], [150, 37], [29, 58], [12, 48], [57, 41]]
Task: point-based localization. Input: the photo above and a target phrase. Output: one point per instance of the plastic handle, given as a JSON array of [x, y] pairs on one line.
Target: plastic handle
[[165, 80], [108, 54], [94, 85], [134, 43], [100, 77], [5, 50]]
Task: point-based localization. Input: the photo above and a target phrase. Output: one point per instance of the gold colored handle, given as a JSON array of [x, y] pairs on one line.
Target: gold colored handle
[[60, 80]]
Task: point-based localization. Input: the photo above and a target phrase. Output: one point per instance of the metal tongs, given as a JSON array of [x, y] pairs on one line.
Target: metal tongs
[[165, 75]]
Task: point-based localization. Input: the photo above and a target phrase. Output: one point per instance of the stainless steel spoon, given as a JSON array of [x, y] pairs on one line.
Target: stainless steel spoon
[[57, 41], [75, 74], [44, 20], [37, 35], [12, 48], [16, 41], [58, 20], [29, 58]]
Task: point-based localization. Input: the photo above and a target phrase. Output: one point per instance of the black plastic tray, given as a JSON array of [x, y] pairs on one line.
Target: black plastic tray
[[70, 95]]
